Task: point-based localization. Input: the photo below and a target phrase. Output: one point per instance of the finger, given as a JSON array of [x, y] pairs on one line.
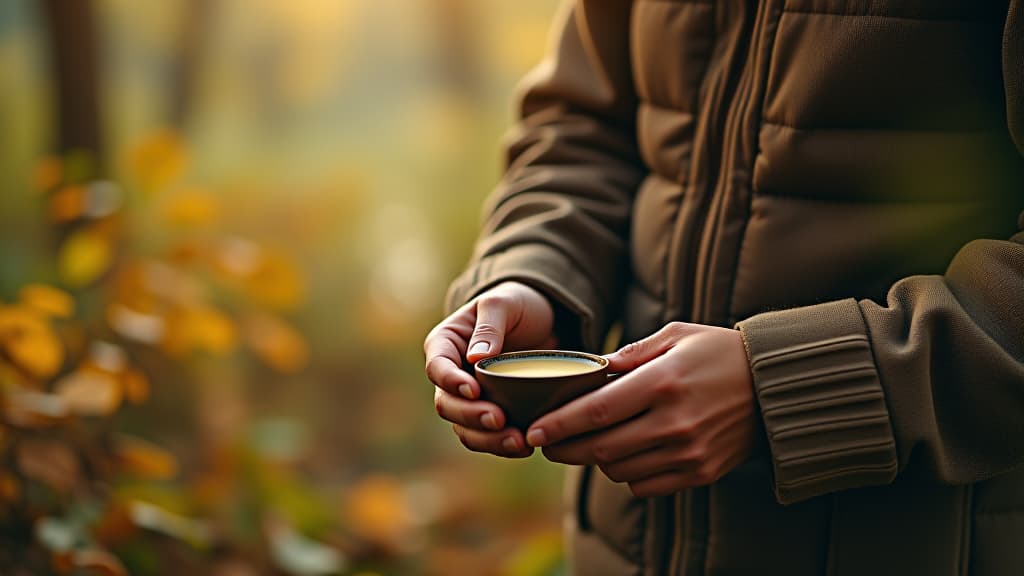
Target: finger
[[617, 401], [508, 443], [443, 348], [660, 460], [631, 437], [668, 483], [468, 413], [635, 354], [492, 311]]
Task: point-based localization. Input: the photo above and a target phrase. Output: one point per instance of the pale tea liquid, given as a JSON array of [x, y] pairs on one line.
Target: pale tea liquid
[[540, 367]]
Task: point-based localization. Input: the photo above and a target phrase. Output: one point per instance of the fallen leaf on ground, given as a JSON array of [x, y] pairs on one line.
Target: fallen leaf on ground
[[48, 300], [50, 462], [30, 342], [142, 458], [89, 392]]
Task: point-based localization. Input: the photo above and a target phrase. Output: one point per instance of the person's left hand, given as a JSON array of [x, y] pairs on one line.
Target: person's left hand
[[683, 416]]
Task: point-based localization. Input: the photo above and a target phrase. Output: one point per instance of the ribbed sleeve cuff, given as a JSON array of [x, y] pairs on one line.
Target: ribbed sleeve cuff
[[823, 406], [543, 268]]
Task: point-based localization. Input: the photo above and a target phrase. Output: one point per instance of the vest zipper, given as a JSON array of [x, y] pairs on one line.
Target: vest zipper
[[693, 519], [735, 123]]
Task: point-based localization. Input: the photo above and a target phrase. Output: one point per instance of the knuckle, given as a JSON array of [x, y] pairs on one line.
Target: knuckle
[[495, 300], [634, 348], [602, 454], [675, 327], [682, 429], [691, 456], [598, 412], [705, 474], [613, 473], [439, 403], [664, 389], [460, 434], [486, 329], [431, 368]]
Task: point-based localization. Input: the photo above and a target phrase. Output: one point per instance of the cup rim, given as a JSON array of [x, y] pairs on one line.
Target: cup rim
[[600, 363]]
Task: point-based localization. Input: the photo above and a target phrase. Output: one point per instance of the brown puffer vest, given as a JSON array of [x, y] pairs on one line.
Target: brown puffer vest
[[839, 179]]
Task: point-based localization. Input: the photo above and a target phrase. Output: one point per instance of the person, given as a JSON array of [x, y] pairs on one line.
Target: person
[[804, 217]]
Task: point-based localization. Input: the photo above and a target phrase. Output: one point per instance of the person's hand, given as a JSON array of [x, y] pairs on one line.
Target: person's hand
[[510, 316], [683, 416]]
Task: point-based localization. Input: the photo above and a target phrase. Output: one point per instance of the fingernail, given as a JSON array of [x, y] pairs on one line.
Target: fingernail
[[480, 348], [466, 391], [489, 421], [536, 438], [510, 444]]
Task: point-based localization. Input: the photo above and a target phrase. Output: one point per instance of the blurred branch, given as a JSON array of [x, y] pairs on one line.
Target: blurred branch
[[72, 34], [195, 28]]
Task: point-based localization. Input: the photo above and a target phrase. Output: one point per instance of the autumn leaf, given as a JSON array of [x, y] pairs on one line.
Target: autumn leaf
[[49, 461], [135, 386], [85, 255], [33, 409], [135, 325], [276, 282], [267, 276], [9, 487], [158, 160], [152, 517], [144, 459], [67, 204], [192, 208], [47, 300], [30, 342], [208, 329], [107, 357], [89, 392], [98, 562], [276, 343], [377, 509], [47, 173]]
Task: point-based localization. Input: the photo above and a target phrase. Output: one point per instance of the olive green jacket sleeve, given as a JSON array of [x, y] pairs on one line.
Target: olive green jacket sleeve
[[559, 219], [851, 391]]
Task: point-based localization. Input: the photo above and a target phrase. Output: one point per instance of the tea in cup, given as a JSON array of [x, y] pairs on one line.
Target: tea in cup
[[530, 383]]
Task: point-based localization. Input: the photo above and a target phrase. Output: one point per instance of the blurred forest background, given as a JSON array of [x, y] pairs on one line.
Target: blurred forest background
[[225, 228]]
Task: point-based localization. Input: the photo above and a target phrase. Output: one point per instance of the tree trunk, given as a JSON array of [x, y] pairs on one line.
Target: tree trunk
[[72, 33]]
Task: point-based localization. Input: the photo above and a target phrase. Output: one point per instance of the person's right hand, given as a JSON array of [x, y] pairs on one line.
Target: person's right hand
[[510, 316]]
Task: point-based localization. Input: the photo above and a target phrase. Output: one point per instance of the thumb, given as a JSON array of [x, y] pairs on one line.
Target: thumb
[[638, 353], [489, 333]]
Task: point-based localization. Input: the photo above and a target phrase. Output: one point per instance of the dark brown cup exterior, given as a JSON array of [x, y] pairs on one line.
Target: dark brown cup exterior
[[526, 398]]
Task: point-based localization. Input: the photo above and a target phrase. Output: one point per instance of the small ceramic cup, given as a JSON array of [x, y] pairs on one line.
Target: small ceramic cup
[[530, 383]]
